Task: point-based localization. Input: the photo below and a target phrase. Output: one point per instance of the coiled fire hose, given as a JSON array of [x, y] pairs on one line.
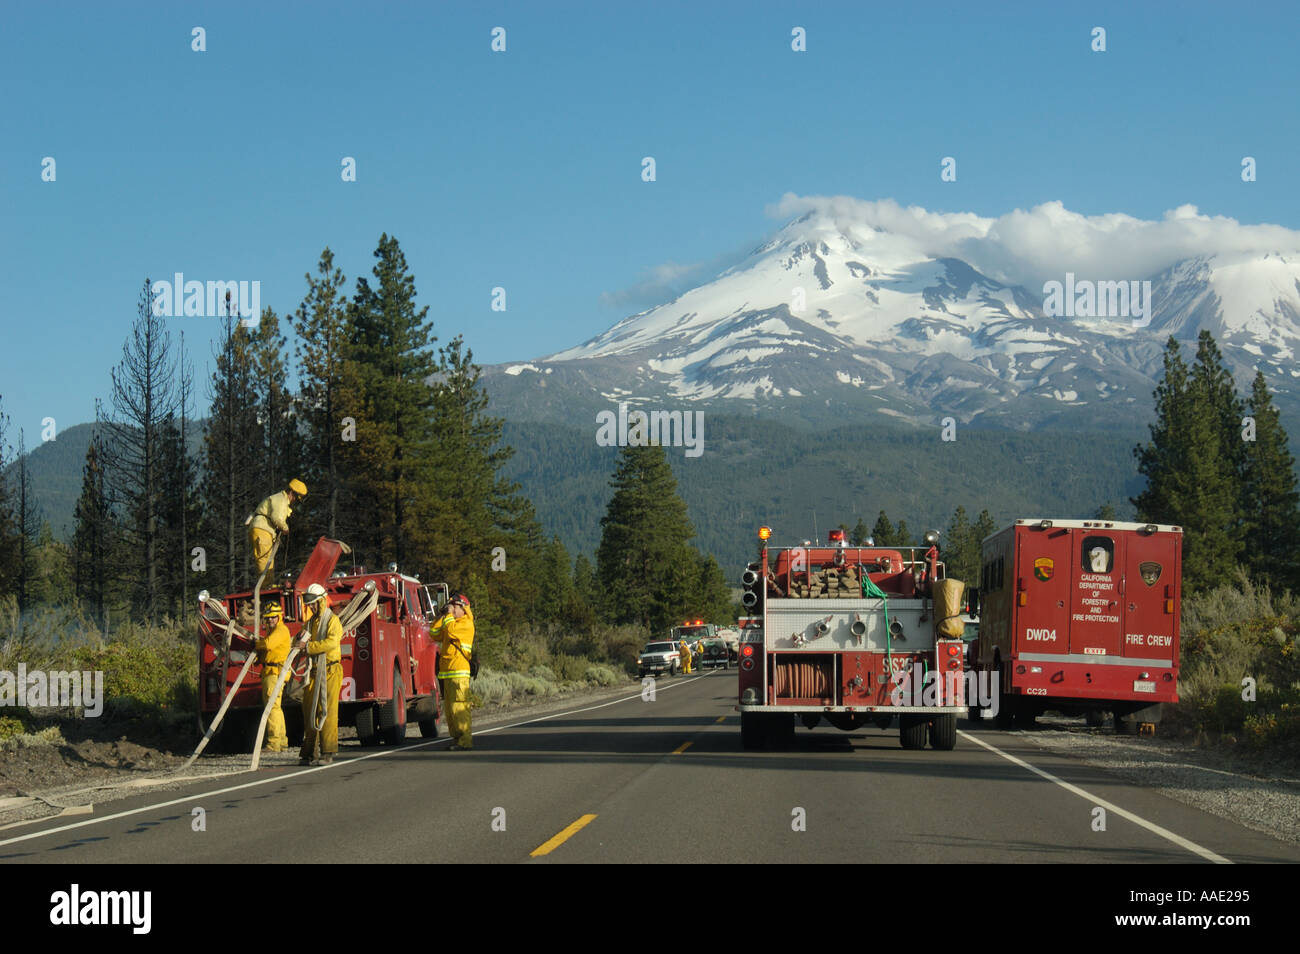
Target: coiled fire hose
[[357, 610]]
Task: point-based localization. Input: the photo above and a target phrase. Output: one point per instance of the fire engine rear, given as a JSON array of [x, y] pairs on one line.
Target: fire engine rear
[[389, 661], [851, 635], [1081, 616]]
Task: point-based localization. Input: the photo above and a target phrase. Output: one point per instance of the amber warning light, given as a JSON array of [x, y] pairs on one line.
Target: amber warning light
[[764, 532], [837, 536]]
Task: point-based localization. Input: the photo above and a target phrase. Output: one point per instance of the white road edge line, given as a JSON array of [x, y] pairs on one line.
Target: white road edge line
[[308, 771], [1152, 827]]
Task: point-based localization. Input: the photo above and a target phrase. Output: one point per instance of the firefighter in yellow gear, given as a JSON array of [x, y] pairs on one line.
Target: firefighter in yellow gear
[[272, 516], [685, 650], [322, 635], [455, 631], [272, 650]]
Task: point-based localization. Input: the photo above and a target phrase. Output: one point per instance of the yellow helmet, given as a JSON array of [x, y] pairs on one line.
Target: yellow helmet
[[272, 609], [298, 487]]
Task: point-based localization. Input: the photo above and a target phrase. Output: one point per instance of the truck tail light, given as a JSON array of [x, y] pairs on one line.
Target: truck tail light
[[1169, 607], [747, 664], [1023, 599], [747, 651]]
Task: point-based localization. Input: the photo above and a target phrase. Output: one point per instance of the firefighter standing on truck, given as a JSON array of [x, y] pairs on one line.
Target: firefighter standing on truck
[[272, 650], [455, 631], [323, 635], [272, 516]]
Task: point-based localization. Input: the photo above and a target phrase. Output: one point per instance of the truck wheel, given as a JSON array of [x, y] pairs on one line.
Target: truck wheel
[[1094, 717], [753, 730], [428, 728], [912, 730], [783, 729], [392, 714], [366, 726], [943, 732], [1026, 714], [1006, 716]]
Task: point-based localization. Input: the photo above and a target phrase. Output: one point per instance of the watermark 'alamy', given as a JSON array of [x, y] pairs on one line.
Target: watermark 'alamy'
[[54, 688], [205, 301], [658, 429], [1088, 299], [77, 907], [911, 689]]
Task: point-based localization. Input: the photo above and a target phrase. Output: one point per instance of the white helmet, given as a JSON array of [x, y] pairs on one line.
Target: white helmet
[[314, 592]]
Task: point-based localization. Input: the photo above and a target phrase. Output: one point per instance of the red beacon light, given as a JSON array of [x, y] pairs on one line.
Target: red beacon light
[[837, 537]]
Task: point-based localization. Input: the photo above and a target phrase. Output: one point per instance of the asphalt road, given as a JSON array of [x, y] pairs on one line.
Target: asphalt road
[[660, 781]]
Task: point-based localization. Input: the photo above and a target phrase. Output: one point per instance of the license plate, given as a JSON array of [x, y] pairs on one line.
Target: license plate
[[1144, 686]]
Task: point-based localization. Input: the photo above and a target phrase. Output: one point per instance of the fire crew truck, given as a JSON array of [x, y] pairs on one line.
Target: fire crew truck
[[389, 661], [1081, 616], [850, 635]]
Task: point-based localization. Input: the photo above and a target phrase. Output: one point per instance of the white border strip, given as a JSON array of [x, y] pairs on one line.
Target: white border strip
[[308, 771], [1165, 833]]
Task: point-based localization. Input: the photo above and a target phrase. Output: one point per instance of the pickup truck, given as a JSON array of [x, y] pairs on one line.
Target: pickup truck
[[659, 658]]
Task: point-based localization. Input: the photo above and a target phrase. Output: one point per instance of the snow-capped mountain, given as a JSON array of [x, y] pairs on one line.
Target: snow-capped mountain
[[847, 316]]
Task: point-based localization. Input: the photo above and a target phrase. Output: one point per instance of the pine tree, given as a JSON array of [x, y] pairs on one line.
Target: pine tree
[[858, 537], [145, 399], [321, 324], [984, 526], [1270, 500], [280, 458], [902, 536], [714, 602], [1188, 469], [644, 559], [28, 528], [8, 514], [93, 536], [232, 440], [387, 392], [960, 550], [883, 533]]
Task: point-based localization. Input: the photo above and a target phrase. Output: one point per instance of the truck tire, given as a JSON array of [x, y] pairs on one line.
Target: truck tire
[[429, 728], [366, 726], [1094, 718], [912, 729], [753, 730], [943, 732], [392, 714]]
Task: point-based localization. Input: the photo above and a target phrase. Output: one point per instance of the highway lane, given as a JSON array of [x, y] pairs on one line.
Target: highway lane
[[664, 781]]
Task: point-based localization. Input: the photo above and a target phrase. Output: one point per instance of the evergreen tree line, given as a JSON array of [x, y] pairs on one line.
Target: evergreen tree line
[[959, 544], [1218, 466], [390, 434]]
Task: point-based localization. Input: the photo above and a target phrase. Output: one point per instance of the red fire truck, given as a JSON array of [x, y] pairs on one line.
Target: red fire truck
[[1081, 616], [389, 661], [849, 635]]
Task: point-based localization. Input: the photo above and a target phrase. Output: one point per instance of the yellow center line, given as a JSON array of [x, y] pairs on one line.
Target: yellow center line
[[721, 718], [681, 748], [562, 837]]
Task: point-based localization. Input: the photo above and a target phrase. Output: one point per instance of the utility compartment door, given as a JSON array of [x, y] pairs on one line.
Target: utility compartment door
[[1150, 575], [1040, 591], [1097, 580]]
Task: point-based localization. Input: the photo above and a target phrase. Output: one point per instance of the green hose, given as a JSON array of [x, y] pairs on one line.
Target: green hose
[[871, 591]]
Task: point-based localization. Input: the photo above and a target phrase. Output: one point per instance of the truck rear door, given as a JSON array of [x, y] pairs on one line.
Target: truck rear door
[[1040, 602], [1150, 579], [1096, 591]]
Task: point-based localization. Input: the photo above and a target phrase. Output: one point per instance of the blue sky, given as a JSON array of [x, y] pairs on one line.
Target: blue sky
[[522, 169]]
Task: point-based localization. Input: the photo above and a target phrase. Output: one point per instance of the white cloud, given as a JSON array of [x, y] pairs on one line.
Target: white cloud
[[1029, 248]]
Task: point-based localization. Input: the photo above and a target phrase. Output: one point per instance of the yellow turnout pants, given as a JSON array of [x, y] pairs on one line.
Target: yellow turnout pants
[[261, 540], [455, 708], [277, 739], [329, 735]]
